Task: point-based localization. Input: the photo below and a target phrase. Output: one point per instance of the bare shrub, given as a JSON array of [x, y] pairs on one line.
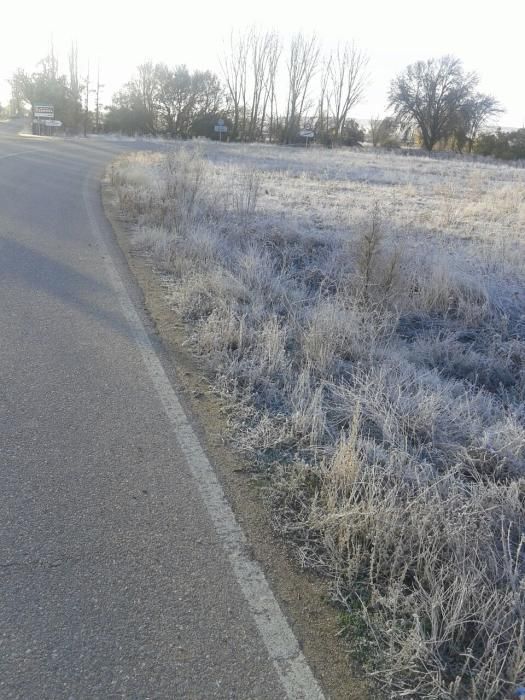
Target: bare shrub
[[378, 267], [244, 195], [445, 616], [184, 199]]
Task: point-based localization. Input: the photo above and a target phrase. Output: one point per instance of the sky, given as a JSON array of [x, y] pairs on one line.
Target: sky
[[118, 36]]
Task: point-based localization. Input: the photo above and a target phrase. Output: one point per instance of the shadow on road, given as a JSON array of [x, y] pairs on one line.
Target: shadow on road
[[42, 275]]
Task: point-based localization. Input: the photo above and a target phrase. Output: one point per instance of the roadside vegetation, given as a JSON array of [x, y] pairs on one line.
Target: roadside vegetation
[[362, 314]]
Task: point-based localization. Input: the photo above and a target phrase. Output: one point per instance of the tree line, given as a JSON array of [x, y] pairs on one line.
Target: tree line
[[269, 91], [177, 102]]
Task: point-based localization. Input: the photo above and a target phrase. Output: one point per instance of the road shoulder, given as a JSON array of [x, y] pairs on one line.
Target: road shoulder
[[303, 597]]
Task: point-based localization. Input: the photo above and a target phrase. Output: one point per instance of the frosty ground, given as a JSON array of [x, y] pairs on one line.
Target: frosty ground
[[363, 317]]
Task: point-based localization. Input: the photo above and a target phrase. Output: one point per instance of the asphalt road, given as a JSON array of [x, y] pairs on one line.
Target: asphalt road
[[117, 579]]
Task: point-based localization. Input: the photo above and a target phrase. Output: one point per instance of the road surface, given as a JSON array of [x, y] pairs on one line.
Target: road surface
[[122, 571]]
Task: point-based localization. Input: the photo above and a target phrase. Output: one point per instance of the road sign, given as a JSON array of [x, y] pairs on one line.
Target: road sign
[[220, 122], [220, 128], [52, 122], [44, 112], [306, 134]]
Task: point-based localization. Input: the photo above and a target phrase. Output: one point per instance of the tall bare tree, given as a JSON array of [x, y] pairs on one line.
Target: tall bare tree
[[264, 54], [49, 65], [234, 67], [270, 92], [97, 100], [74, 87], [146, 85], [249, 68], [347, 77], [86, 102], [74, 82], [302, 66], [325, 97]]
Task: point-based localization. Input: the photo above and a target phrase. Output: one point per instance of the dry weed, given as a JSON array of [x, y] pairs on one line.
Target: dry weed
[[375, 353]]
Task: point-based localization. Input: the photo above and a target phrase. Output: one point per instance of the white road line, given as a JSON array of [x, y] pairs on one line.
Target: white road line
[[292, 668], [18, 153]]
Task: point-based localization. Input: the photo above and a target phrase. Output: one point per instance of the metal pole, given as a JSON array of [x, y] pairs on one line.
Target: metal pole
[[86, 115], [97, 105]]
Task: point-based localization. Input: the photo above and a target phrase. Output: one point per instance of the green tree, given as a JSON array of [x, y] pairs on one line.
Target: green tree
[[127, 113], [19, 83], [183, 97], [500, 144], [48, 86], [160, 99]]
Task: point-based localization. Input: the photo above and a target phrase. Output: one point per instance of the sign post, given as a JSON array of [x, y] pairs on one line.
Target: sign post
[[220, 128], [43, 111], [307, 134]]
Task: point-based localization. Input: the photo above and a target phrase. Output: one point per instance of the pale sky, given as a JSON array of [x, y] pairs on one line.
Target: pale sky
[[394, 34]]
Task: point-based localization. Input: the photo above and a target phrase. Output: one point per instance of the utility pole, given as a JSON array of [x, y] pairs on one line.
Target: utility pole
[[86, 114], [97, 110]]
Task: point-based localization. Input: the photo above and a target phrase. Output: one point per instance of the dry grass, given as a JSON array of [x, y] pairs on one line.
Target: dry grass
[[364, 317]]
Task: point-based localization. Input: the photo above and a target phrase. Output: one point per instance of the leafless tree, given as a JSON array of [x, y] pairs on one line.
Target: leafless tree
[[264, 51], [146, 85], [432, 95], [347, 77], [74, 83], [302, 66], [86, 101], [325, 98], [472, 116], [270, 102], [49, 65], [97, 100], [74, 86], [249, 68], [234, 67]]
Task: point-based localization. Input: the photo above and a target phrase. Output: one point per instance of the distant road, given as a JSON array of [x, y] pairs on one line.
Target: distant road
[[122, 574]]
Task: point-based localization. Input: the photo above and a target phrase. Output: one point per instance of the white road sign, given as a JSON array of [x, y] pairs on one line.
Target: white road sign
[[44, 112], [307, 134], [221, 128]]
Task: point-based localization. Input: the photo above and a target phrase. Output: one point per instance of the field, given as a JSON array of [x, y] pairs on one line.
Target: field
[[363, 315]]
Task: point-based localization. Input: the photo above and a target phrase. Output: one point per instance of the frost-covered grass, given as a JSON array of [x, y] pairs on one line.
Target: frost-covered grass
[[363, 314]]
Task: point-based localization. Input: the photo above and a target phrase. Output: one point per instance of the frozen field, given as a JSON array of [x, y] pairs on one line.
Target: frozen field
[[363, 316]]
